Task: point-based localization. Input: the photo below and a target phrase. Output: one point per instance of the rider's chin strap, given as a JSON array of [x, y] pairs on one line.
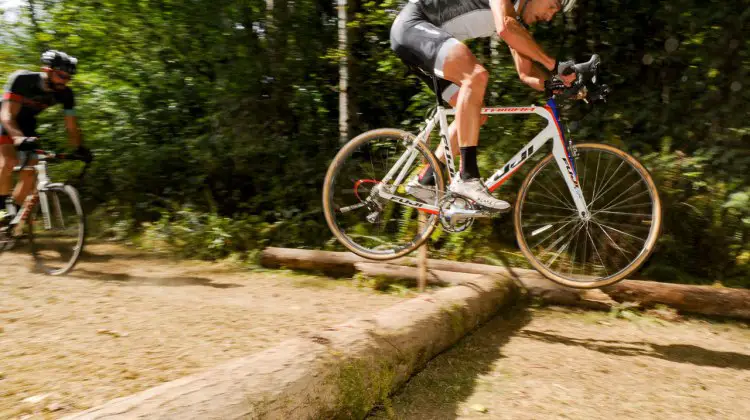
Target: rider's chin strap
[[520, 14]]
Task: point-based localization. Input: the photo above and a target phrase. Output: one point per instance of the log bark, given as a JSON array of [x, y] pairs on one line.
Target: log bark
[[704, 300], [411, 275], [339, 372], [536, 285]]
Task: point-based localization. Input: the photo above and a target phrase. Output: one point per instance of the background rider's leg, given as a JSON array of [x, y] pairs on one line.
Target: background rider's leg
[[25, 184], [7, 162]]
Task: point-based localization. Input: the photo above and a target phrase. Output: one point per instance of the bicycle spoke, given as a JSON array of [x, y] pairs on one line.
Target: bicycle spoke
[[553, 233], [585, 244], [573, 259], [558, 199], [596, 177], [612, 240], [562, 248], [603, 192], [621, 194], [549, 205], [619, 231], [602, 184], [563, 198], [604, 266], [620, 213], [549, 223], [621, 206]]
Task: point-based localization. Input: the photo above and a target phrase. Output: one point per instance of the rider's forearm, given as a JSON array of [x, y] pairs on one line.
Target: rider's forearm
[[75, 138], [12, 128], [528, 71], [74, 133], [535, 82], [8, 113], [518, 38]]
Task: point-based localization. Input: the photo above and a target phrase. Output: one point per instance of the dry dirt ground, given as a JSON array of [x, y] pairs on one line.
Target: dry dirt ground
[[567, 364], [124, 321]]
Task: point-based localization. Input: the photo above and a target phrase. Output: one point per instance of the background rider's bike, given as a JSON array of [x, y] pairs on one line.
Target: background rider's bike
[[51, 217], [586, 216]]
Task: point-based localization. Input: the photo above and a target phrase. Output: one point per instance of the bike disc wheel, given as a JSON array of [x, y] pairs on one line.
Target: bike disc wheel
[[363, 221], [57, 238], [618, 237]]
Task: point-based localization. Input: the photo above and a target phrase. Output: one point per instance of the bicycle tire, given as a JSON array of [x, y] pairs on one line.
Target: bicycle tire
[[654, 228], [328, 190], [41, 243]]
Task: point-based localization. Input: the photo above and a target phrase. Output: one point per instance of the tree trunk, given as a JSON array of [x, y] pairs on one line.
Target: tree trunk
[[343, 73]]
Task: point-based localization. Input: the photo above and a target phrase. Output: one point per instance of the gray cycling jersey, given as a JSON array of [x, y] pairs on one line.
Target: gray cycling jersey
[[464, 19]]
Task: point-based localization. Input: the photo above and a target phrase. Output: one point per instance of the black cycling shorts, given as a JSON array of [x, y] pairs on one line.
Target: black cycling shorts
[[423, 46]]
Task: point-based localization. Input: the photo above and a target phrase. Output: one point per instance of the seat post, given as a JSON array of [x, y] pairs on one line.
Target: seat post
[[438, 96]]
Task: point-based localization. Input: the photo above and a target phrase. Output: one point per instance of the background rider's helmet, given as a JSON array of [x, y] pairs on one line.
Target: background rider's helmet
[[58, 60], [567, 5]]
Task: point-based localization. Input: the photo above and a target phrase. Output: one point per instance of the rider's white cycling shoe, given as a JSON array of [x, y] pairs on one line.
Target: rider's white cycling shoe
[[423, 193], [475, 190]]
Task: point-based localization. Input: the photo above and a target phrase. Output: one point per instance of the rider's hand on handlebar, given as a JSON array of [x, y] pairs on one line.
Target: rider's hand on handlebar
[[25, 144], [566, 72], [83, 153]]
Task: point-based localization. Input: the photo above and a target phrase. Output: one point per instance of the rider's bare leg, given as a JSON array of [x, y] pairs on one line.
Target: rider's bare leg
[[25, 184], [462, 68], [7, 162], [426, 177]]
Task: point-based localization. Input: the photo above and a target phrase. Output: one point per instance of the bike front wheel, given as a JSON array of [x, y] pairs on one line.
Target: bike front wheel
[[366, 202], [595, 251], [57, 230]]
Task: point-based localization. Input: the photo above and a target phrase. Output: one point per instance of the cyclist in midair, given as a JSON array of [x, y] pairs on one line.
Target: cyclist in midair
[[427, 36], [25, 95]]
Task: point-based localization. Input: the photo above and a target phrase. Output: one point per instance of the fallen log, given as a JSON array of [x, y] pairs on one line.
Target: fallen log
[[536, 286], [704, 300], [339, 372], [410, 275]]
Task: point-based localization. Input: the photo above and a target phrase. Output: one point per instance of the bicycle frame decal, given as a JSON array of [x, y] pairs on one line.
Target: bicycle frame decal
[[553, 131]]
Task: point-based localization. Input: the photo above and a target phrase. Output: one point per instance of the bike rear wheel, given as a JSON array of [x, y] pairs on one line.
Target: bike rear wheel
[[57, 230], [364, 221], [624, 224]]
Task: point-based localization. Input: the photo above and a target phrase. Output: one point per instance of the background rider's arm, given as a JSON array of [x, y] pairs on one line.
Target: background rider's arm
[[516, 36], [74, 133], [8, 113], [528, 71], [71, 123]]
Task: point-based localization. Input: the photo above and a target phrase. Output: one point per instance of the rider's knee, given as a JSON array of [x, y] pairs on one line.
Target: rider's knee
[[478, 79]]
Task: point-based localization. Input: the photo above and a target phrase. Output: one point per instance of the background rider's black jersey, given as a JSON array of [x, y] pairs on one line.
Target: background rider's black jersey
[[26, 88]]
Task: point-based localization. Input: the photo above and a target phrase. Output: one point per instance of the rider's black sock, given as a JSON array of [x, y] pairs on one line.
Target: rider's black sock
[[427, 177], [469, 168]]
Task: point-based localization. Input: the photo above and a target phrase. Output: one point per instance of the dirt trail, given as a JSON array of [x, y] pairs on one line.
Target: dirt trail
[[557, 363], [124, 321]]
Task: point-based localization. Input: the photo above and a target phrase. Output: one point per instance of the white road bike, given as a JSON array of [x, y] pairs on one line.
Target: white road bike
[[586, 216]]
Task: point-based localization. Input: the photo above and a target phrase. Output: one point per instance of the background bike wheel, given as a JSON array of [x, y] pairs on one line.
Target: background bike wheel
[[355, 171], [56, 246], [621, 233]]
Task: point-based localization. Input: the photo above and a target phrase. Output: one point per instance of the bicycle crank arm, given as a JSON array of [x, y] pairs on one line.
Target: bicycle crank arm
[[454, 216]]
